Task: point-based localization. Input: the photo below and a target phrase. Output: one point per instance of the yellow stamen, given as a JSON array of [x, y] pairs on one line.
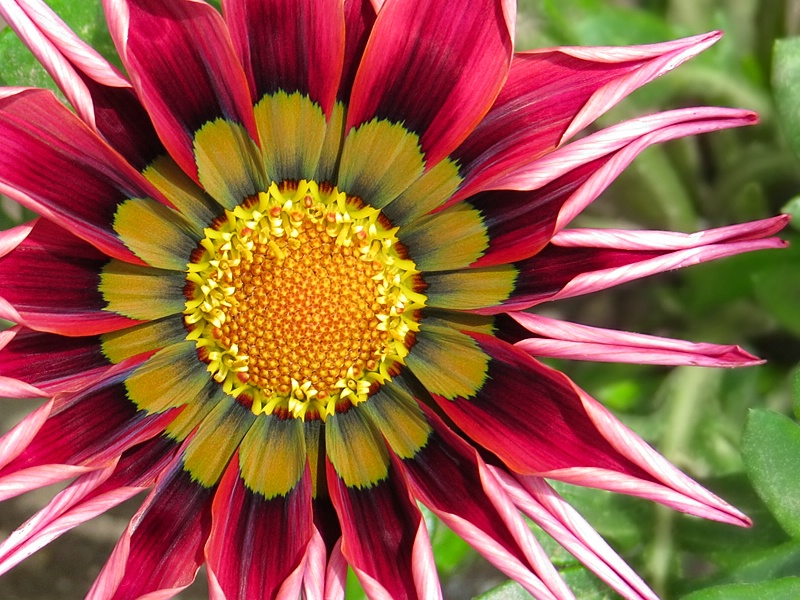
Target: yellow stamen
[[298, 299]]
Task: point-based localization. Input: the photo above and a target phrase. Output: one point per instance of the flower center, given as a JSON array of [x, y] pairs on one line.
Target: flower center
[[300, 301]]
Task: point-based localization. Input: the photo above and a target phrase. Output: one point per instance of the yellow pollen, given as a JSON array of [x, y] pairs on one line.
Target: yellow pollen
[[299, 300]]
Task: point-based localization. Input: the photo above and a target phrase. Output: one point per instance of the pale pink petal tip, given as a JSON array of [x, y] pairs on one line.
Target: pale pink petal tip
[[563, 523], [560, 339], [669, 486]]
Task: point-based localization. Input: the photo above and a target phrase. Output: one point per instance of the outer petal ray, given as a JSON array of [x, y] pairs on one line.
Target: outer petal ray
[[102, 97], [539, 423], [85, 181], [162, 548], [553, 93], [559, 339], [188, 76], [258, 546], [87, 497], [440, 96], [380, 528]]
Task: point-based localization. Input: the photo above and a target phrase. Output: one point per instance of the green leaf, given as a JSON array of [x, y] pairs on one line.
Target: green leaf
[[780, 589], [771, 451], [786, 83], [20, 67], [796, 393], [793, 208]]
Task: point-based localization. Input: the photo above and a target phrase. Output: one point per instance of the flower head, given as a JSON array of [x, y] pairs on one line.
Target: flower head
[[281, 280]]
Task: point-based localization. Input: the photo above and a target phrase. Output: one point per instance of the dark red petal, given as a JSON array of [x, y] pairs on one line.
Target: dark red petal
[[51, 279], [91, 427], [257, 543], [379, 529], [50, 362], [53, 164], [436, 67], [359, 17], [530, 416], [183, 66], [289, 45], [447, 475], [165, 538]]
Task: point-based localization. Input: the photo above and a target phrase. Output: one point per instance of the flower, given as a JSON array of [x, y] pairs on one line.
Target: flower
[[279, 280]]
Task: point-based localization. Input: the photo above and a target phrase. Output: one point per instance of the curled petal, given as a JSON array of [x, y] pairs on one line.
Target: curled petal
[[551, 94], [548, 510], [560, 339]]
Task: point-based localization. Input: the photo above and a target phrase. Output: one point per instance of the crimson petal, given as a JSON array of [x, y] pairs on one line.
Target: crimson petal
[[302, 53], [162, 548], [257, 545], [404, 76], [380, 529], [183, 66]]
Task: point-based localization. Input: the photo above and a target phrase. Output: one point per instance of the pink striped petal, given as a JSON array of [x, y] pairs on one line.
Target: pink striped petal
[[631, 137], [49, 55], [590, 282], [449, 477], [102, 96], [314, 574], [34, 478], [15, 441], [49, 523], [560, 339], [563, 523], [406, 77], [553, 93], [88, 496], [622, 239]]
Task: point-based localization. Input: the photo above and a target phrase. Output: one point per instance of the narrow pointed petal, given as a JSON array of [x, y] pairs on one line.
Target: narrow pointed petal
[[547, 509], [449, 477], [380, 527], [551, 94], [87, 497], [316, 563], [552, 428], [142, 565], [336, 574], [501, 226], [632, 136], [188, 77], [560, 339], [86, 429], [18, 14], [52, 363], [258, 546], [85, 181], [440, 96], [557, 272]]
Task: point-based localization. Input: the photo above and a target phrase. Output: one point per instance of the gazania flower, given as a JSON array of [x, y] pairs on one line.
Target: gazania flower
[[279, 280]]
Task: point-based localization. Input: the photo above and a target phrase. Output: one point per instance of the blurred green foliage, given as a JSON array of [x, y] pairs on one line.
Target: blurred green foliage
[[695, 417]]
